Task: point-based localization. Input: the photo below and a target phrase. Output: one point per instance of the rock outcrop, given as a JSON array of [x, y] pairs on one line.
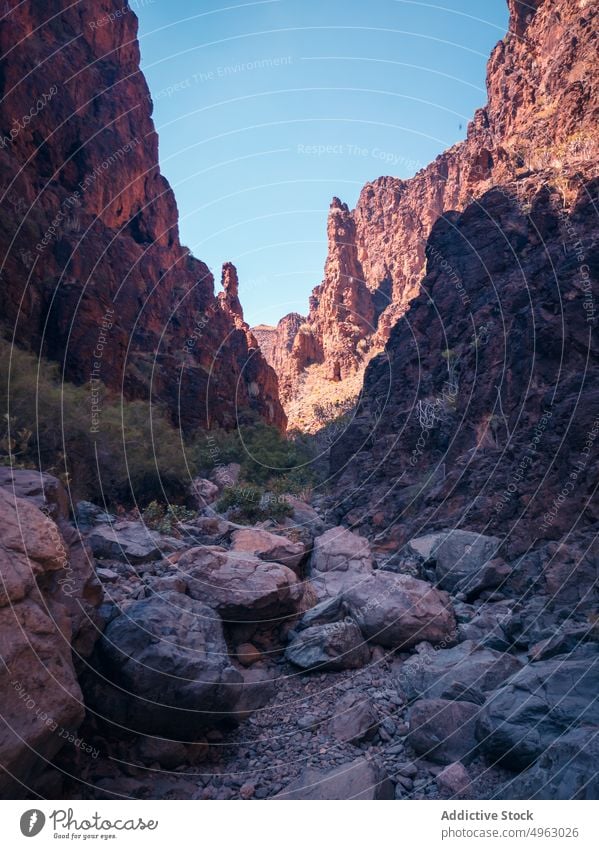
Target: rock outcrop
[[93, 272], [538, 126], [538, 705], [48, 598], [484, 410], [165, 670]]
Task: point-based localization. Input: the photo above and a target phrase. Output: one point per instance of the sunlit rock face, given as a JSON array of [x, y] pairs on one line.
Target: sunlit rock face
[[538, 126]]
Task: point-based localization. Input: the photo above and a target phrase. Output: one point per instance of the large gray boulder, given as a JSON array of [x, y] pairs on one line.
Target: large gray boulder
[[340, 560], [239, 586], [331, 646], [486, 626], [537, 705], [359, 779], [457, 673], [463, 561], [567, 770], [398, 611], [130, 542], [167, 659], [444, 731], [355, 718]]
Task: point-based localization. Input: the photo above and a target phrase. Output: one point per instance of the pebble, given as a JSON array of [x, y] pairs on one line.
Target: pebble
[[308, 721], [247, 790], [389, 726], [407, 769]]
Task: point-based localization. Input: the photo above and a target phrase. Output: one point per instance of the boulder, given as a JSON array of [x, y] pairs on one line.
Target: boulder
[[533, 622], [537, 705], [340, 559], [168, 662], [330, 610], [239, 586], [130, 542], [272, 548], [259, 688], [456, 672], [464, 562], [170, 583], [453, 782], [226, 474], [44, 491], [398, 611], [247, 654], [355, 718], [304, 515], [203, 492], [88, 514], [31, 545], [359, 779], [331, 646], [444, 731], [566, 640], [486, 627], [45, 595], [42, 704], [566, 770]]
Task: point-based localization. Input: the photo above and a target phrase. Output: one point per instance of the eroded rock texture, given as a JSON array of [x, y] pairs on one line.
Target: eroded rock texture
[[538, 127], [93, 272], [48, 625]]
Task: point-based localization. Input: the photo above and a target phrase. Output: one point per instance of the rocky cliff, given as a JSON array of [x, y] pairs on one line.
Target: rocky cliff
[[539, 125], [483, 411], [49, 623], [93, 272]]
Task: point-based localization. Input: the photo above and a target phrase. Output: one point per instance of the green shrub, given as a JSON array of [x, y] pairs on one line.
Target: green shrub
[[134, 457], [166, 518], [264, 454], [248, 504]]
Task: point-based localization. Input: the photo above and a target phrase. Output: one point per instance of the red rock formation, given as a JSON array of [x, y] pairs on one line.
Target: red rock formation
[[48, 626], [289, 348], [93, 272], [539, 124], [229, 297]]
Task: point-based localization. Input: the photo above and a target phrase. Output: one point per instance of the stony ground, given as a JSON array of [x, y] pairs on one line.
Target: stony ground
[[271, 748], [349, 675]]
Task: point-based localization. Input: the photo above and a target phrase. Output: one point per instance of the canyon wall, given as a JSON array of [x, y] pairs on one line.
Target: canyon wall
[[482, 411], [93, 272], [539, 125]]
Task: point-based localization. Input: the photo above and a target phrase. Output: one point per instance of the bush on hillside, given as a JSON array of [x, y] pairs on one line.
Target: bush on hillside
[[264, 454], [134, 457], [248, 504]]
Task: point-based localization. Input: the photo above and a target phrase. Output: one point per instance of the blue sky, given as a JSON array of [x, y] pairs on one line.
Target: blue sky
[[266, 110]]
